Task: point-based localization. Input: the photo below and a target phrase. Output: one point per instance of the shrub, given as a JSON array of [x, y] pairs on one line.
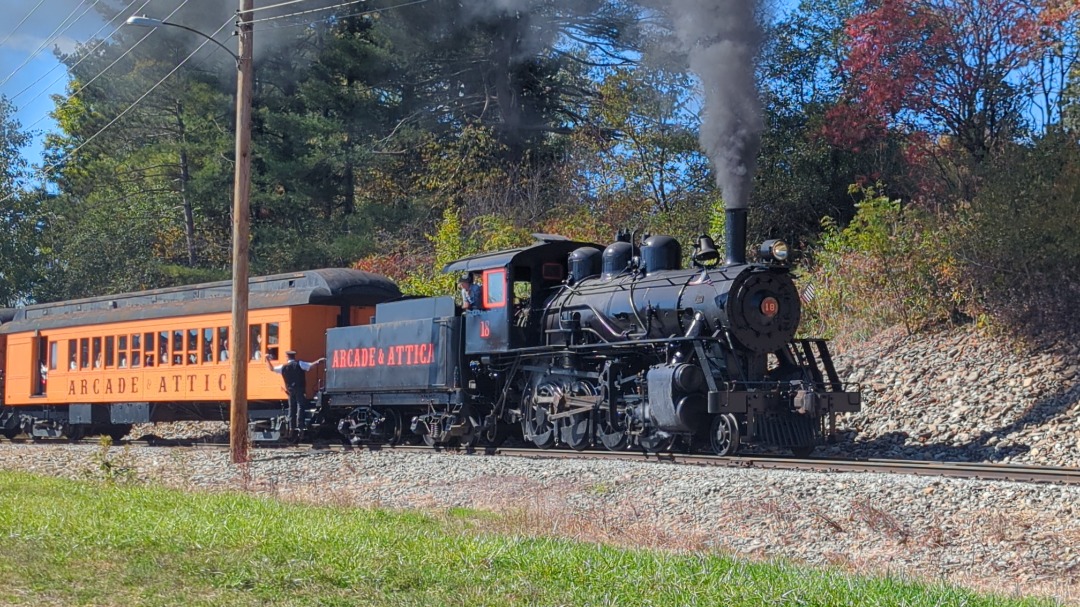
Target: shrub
[[889, 266], [1018, 241]]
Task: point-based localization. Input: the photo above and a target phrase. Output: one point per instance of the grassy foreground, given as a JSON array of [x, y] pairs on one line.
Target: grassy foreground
[[85, 543]]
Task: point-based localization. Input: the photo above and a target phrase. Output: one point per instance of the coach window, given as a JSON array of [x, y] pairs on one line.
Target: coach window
[[136, 350], [494, 289], [53, 355], [148, 353], [208, 345], [177, 347], [163, 348], [223, 344], [272, 339], [110, 349], [192, 357], [122, 351], [84, 353], [73, 348], [97, 352], [256, 342]]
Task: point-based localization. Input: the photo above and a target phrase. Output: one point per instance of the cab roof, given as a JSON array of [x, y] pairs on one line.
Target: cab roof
[[548, 247]]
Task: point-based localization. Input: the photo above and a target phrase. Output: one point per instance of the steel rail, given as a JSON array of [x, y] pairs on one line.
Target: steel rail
[[974, 470]]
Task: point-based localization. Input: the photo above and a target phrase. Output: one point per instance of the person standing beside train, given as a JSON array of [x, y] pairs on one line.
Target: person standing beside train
[[294, 374]]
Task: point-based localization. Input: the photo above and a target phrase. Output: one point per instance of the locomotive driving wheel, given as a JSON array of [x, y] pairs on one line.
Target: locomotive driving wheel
[[656, 442], [536, 424], [724, 436], [613, 439], [576, 430]]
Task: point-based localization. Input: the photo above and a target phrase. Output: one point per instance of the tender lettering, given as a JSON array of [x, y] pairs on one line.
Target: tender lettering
[[398, 355]]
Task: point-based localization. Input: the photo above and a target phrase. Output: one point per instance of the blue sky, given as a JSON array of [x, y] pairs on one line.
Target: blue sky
[[54, 24]]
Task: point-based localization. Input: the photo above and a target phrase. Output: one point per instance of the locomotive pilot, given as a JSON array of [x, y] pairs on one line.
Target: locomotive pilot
[[294, 373]]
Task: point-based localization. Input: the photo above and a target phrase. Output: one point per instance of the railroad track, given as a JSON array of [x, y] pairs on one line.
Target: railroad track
[[974, 470]]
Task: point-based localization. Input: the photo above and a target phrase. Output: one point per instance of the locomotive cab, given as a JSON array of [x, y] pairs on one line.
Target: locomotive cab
[[515, 284]]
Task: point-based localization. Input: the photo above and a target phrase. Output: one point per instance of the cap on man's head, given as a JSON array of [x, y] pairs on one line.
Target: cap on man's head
[[466, 277], [291, 354]]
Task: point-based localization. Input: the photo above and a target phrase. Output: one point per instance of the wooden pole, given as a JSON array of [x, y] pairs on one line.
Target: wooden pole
[[238, 354]]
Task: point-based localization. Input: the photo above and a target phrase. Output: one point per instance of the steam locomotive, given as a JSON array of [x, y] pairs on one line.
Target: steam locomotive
[[582, 345]]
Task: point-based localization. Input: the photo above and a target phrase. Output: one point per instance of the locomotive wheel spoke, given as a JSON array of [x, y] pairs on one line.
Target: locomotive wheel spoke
[[724, 436], [613, 439], [575, 431]]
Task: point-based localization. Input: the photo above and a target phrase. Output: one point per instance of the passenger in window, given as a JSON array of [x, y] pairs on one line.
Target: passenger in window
[[123, 361], [97, 361], [256, 349], [471, 292], [224, 354], [149, 360]]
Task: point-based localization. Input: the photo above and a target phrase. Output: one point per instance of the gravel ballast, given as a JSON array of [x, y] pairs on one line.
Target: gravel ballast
[[995, 536]]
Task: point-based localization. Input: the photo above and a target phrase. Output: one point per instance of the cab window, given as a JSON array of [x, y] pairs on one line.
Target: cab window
[[494, 288]]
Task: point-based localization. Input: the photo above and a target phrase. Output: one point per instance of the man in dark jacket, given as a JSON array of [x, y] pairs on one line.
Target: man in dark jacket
[[294, 372]]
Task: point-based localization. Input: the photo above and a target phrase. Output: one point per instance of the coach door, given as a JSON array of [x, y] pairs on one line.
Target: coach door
[[40, 368]]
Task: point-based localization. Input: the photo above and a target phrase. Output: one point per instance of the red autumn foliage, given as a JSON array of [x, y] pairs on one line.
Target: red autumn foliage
[[966, 69], [396, 266]]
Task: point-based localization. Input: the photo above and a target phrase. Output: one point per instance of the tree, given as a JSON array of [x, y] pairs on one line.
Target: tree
[[966, 69], [18, 222], [143, 202]]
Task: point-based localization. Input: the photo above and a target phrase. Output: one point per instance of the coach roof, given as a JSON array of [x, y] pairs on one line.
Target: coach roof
[[333, 286]]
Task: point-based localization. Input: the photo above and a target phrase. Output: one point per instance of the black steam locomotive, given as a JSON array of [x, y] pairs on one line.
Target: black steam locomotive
[[581, 345]]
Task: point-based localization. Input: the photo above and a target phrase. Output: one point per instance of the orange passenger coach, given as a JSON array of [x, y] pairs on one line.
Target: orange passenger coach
[[98, 365]]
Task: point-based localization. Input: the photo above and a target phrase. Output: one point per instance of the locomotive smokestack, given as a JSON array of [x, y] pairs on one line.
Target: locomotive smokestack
[[722, 39], [735, 236]]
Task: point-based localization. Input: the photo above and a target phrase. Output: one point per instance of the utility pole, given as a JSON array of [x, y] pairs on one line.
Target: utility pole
[[238, 354]]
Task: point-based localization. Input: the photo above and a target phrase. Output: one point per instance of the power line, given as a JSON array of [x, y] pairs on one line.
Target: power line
[[314, 10], [28, 15], [51, 36], [279, 5], [48, 169], [359, 14], [85, 55], [107, 68]]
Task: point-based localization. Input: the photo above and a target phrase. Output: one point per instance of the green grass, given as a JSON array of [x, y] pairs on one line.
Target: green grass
[[87, 543]]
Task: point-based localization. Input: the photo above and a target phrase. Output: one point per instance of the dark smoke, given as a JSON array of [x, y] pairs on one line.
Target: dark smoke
[[722, 39]]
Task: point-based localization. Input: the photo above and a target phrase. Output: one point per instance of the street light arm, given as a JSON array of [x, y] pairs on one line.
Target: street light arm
[[144, 21]]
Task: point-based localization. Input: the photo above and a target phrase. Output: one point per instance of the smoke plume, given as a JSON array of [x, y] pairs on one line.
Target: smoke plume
[[722, 39]]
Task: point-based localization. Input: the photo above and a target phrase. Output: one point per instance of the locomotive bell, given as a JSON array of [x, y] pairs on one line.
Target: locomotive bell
[[705, 252]]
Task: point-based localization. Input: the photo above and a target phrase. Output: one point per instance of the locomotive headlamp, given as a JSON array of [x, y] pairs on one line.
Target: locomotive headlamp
[[773, 250]]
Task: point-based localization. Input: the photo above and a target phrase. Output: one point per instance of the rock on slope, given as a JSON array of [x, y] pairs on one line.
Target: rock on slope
[[961, 395]]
